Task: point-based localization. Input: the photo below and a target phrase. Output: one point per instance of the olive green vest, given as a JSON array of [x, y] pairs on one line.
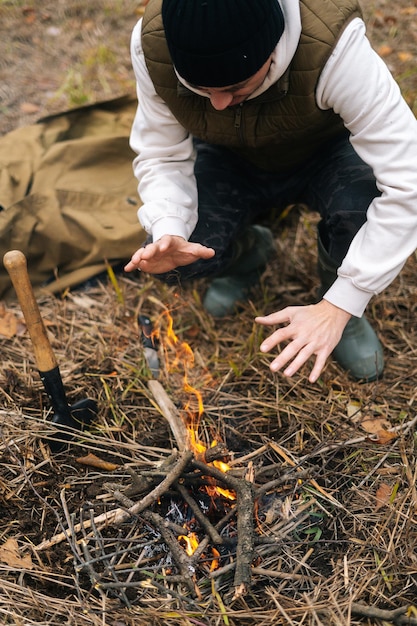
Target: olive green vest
[[283, 126]]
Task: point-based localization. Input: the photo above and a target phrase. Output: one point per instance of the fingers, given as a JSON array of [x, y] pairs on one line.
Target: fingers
[[141, 258], [166, 254], [310, 331], [318, 368], [294, 356], [277, 337], [132, 265], [134, 261], [129, 267], [297, 358], [205, 253], [279, 317]]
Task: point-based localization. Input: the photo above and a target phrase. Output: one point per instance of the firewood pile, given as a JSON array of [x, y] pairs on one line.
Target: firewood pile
[[190, 518]]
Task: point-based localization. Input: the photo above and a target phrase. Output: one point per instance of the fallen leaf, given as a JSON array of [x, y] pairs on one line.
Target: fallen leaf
[[94, 461], [354, 411], [390, 20], [409, 11], [384, 51], [384, 471], [193, 331], [29, 15], [375, 425], [379, 429], [88, 25], [382, 496], [405, 56], [29, 107], [9, 554], [383, 437]]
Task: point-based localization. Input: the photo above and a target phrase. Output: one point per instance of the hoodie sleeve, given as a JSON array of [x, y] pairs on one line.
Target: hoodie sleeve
[[164, 165], [357, 85]]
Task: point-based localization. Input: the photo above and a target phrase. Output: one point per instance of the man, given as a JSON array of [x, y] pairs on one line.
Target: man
[[245, 105]]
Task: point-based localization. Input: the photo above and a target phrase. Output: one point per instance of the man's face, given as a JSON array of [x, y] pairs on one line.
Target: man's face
[[223, 97]]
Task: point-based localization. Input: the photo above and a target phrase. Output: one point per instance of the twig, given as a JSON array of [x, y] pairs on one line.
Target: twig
[[201, 518], [171, 414], [245, 531], [410, 477], [172, 593], [280, 450], [220, 524], [286, 576], [71, 534], [118, 516], [281, 480], [139, 484], [88, 567], [127, 504], [182, 560], [184, 563], [248, 457], [398, 616], [402, 428], [296, 569]]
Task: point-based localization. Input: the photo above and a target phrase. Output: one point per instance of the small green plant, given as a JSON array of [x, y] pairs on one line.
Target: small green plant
[[102, 55], [74, 89]]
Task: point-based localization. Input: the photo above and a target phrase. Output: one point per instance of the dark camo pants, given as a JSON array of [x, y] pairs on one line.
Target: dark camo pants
[[232, 194]]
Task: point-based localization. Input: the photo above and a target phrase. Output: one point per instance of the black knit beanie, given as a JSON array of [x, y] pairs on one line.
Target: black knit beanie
[[217, 43]]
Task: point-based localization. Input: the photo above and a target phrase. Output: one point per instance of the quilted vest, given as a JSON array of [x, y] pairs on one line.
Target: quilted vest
[[282, 127]]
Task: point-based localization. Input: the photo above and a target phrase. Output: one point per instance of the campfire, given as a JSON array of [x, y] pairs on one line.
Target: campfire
[[201, 513]]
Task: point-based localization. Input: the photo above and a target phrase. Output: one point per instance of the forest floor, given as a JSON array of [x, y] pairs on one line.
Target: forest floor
[[333, 466]]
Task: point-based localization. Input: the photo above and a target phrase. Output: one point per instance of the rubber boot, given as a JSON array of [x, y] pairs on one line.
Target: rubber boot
[[252, 254], [359, 351]]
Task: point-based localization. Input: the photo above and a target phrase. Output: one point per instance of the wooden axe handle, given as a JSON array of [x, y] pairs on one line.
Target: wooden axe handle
[[16, 265]]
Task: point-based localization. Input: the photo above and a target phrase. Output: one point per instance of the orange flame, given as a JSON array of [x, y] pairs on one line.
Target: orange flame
[[179, 356], [184, 357], [183, 354], [191, 543], [215, 562]]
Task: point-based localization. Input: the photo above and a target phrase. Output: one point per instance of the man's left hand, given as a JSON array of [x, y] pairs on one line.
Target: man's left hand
[[313, 330]]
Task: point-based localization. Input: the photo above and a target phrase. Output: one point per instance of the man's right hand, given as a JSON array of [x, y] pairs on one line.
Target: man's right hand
[[166, 254]]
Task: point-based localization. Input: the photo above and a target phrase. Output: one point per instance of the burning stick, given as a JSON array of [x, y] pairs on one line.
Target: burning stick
[[243, 489], [245, 532], [182, 560], [202, 519], [171, 414]]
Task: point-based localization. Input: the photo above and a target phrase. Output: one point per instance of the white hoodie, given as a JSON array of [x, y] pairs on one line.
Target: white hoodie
[[358, 86]]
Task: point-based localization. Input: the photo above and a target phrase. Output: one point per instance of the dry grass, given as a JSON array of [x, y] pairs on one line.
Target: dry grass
[[357, 544]]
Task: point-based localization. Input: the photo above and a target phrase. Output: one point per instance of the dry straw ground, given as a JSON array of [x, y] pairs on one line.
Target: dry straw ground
[[345, 514]]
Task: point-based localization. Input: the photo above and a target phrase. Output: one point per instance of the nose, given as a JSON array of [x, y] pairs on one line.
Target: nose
[[221, 100]]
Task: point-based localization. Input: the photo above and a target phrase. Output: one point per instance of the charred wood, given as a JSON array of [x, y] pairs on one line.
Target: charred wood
[[245, 524], [199, 515]]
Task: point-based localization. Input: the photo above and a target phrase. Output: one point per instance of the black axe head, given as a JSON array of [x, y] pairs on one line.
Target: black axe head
[[68, 419]]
